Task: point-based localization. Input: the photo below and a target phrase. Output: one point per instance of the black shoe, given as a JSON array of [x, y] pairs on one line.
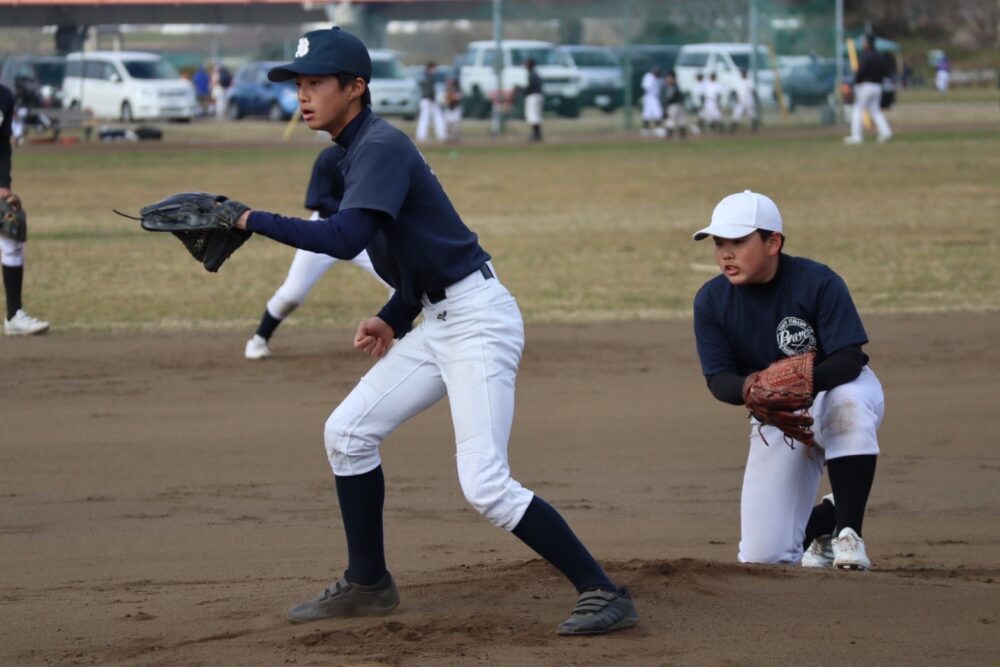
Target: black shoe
[[597, 612], [344, 599]]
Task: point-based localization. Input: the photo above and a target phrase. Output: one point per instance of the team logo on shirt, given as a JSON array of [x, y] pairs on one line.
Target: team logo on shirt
[[303, 48], [795, 336]]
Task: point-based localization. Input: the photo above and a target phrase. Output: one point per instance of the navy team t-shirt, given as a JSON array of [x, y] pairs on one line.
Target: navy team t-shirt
[[422, 245], [806, 306], [326, 186]]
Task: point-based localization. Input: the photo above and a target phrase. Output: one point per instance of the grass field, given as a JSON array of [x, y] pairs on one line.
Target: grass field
[[581, 229]]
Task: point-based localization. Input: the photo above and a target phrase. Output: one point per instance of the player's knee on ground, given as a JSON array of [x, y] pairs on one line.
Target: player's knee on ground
[[351, 447], [487, 484], [775, 549]]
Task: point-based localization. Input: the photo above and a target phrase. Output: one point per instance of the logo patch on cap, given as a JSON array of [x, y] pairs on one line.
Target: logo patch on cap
[[303, 48]]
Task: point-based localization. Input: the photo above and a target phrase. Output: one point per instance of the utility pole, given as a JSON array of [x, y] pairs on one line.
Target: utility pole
[[497, 127], [629, 106], [839, 54]]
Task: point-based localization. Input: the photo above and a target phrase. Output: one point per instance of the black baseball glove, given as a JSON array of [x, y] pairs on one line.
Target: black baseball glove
[[205, 224], [13, 219]]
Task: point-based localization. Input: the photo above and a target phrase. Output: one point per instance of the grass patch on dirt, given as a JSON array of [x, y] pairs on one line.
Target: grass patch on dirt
[[579, 231]]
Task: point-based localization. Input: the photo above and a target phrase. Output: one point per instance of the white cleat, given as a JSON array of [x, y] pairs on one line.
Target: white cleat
[[820, 553], [884, 138], [853, 141], [23, 324], [849, 551], [257, 348]]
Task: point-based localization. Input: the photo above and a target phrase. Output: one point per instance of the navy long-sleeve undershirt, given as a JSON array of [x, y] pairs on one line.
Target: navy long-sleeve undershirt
[[343, 235]]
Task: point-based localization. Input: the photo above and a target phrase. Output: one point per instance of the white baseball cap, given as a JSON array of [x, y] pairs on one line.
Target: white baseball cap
[[740, 214]]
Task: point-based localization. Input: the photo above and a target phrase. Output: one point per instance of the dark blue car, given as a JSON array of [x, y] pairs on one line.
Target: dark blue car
[[253, 95]]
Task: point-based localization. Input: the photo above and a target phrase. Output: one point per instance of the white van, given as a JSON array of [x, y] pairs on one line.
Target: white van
[[128, 85], [560, 82], [727, 61]]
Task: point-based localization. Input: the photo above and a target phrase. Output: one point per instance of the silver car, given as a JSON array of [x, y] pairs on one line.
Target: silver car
[[394, 91]]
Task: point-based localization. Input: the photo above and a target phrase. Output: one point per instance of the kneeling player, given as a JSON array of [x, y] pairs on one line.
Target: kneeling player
[[765, 306]]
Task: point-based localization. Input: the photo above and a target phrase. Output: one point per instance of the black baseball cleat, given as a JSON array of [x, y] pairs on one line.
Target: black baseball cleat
[[344, 599], [597, 612]]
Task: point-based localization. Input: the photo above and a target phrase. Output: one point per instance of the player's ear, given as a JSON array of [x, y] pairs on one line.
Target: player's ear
[[358, 87], [775, 242]]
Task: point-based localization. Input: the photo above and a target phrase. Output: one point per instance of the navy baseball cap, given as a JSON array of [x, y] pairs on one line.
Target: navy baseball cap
[[325, 52]]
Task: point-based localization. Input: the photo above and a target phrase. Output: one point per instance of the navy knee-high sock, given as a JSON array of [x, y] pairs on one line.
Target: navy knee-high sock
[[13, 278], [361, 500], [851, 480], [822, 521], [268, 323], [543, 529]]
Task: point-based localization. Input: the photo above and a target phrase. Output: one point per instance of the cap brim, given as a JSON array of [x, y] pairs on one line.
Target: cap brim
[[724, 232], [292, 70]]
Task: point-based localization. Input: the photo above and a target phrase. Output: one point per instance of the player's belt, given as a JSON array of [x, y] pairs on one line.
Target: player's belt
[[436, 295]]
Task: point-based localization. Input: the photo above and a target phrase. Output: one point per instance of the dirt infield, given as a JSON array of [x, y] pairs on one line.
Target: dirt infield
[[162, 501]]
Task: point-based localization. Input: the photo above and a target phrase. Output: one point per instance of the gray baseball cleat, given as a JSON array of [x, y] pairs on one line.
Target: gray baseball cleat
[[597, 612], [344, 599]]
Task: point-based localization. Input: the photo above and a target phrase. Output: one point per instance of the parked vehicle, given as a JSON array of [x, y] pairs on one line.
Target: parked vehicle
[[36, 81], [640, 58], [727, 60], [560, 83], [602, 82], [129, 85], [394, 91], [252, 94], [811, 82]]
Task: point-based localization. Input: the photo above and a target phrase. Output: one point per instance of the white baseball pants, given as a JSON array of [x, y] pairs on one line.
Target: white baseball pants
[[676, 116], [868, 97], [534, 105], [430, 112], [306, 269], [780, 483], [652, 109], [467, 347], [11, 252]]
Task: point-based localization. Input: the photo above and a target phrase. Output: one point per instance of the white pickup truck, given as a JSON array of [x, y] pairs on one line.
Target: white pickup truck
[[560, 82]]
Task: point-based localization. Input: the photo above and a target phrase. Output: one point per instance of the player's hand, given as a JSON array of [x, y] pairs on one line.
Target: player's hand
[[374, 337]]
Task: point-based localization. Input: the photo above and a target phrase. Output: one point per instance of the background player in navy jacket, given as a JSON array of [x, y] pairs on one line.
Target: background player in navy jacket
[[767, 305], [467, 347]]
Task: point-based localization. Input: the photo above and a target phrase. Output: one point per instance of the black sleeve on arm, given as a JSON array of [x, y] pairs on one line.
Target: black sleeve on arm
[[839, 368], [7, 113], [727, 387]]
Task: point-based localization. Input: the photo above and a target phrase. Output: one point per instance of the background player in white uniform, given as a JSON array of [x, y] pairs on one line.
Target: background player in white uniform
[[746, 103], [326, 187], [711, 111], [767, 305], [652, 108], [16, 321]]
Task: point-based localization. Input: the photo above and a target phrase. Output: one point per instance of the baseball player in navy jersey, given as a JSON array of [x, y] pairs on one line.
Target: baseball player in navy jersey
[[326, 187], [16, 322], [467, 347], [767, 305]]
